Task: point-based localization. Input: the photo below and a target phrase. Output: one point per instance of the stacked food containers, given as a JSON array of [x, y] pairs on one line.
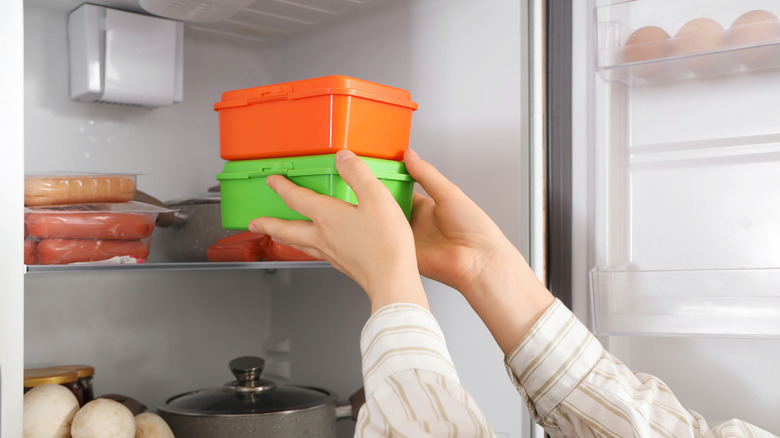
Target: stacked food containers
[[295, 128], [74, 218]]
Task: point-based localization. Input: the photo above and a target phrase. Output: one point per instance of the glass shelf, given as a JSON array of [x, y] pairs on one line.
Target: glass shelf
[[34, 269], [714, 303]]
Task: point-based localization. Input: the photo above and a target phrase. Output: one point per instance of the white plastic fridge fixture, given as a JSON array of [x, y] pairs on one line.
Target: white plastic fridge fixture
[[125, 58]]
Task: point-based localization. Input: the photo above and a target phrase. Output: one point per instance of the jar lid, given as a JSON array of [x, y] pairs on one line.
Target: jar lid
[[39, 376], [248, 395], [81, 370]]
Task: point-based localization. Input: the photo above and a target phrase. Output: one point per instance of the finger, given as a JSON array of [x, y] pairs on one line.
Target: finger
[[359, 177], [429, 178], [304, 201], [310, 251], [299, 233]]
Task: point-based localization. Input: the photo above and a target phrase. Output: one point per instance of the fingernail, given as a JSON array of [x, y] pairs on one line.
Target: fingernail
[[344, 155], [253, 228], [412, 154]]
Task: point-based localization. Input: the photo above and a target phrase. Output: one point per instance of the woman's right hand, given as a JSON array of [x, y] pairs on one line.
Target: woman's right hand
[[456, 241], [459, 245]]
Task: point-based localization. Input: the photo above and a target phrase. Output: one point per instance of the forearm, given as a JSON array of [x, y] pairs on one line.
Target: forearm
[[406, 367], [573, 387], [507, 296]]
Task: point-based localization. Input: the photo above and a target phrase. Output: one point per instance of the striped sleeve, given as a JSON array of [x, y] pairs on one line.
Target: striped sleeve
[[412, 388], [574, 388]]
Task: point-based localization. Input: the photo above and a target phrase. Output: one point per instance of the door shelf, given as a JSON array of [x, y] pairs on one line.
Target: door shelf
[[647, 42], [35, 269], [708, 303]]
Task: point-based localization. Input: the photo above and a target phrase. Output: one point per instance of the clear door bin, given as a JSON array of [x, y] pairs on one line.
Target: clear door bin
[[657, 41], [722, 303]]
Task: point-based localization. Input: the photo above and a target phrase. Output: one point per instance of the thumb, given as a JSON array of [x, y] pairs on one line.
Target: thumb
[[430, 179], [358, 176]]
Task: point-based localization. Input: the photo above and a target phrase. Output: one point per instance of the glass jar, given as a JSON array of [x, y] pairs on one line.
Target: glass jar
[[66, 377], [85, 374]]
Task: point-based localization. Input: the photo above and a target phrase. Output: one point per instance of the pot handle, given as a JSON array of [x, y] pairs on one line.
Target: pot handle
[[164, 220], [352, 408]]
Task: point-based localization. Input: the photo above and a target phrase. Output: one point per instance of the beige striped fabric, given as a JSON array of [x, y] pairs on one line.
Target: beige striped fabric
[[412, 388], [571, 385], [574, 388]]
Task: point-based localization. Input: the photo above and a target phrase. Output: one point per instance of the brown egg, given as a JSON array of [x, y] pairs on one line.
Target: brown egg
[[645, 44], [697, 37], [756, 27]]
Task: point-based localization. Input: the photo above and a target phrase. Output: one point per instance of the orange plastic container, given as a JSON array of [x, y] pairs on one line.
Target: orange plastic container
[[314, 117]]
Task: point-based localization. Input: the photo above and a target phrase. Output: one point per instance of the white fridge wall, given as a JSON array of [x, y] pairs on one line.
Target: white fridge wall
[[150, 335], [462, 62], [174, 149]]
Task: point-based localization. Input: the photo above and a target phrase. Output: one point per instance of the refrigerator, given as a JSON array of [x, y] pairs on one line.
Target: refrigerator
[[156, 330], [645, 205]]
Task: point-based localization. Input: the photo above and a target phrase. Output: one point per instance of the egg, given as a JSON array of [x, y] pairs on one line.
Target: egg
[[697, 37], [48, 412], [756, 27], [646, 44], [102, 418], [149, 425]]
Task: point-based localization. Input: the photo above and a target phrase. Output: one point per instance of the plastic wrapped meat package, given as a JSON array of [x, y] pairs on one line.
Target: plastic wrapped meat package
[[77, 188], [251, 247], [75, 233]]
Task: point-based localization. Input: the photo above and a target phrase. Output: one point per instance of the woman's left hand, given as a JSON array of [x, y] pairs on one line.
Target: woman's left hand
[[371, 242]]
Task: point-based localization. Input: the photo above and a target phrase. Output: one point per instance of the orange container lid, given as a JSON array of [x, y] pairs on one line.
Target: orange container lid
[[327, 85]]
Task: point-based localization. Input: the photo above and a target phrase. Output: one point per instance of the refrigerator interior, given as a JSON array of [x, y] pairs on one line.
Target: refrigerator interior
[[681, 223], [152, 334]]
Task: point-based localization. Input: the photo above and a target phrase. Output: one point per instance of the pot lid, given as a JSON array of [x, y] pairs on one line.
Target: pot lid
[[249, 394], [204, 198]]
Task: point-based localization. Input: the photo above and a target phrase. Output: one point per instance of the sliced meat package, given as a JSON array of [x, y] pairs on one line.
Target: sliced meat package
[[241, 247], [64, 251], [100, 225]]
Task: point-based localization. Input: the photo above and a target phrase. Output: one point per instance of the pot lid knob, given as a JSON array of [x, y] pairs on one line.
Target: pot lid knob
[[247, 370]]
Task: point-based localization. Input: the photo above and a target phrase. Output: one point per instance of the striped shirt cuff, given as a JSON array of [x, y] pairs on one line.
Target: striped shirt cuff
[[400, 337], [553, 358]]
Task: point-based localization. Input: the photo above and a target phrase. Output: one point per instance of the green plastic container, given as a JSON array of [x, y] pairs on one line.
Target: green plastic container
[[246, 196]]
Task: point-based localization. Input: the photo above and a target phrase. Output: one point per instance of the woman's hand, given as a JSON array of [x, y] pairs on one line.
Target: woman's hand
[[460, 246], [370, 242], [456, 241]]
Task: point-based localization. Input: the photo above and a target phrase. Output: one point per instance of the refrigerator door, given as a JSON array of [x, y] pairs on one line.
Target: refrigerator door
[[675, 213], [687, 169]]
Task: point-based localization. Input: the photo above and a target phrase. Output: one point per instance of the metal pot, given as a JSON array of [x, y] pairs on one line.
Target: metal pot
[[186, 234], [251, 406]]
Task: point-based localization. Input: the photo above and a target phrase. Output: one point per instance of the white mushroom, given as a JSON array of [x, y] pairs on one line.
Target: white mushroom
[[149, 425], [103, 418], [48, 412]]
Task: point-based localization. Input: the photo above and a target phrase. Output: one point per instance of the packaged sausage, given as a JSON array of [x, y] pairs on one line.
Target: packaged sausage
[[67, 188], [78, 233], [30, 244], [241, 247], [251, 247], [121, 221], [273, 251], [65, 251]]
